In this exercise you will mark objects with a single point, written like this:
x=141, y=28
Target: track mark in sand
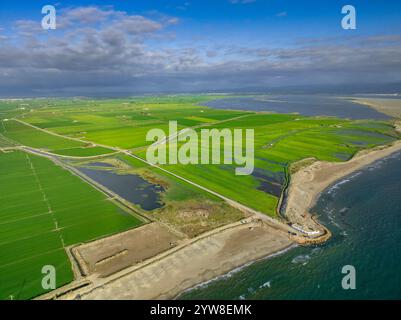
x=107, y=259
x=56, y=226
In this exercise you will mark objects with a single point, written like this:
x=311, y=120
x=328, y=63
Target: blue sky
x=194, y=45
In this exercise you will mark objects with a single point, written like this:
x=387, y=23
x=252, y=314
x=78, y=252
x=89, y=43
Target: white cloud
x=113, y=53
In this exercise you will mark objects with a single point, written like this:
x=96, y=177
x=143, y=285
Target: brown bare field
x=212, y=255
x=112, y=254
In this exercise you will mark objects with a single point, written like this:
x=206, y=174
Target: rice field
x=281, y=140
x=22, y=134
x=26, y=135
x=43, y=210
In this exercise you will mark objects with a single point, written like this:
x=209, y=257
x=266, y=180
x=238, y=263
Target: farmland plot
x=44, y=209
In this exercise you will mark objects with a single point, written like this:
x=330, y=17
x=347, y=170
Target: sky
x=150, y=46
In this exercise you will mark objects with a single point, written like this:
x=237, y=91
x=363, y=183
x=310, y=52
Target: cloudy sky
x=127, y=47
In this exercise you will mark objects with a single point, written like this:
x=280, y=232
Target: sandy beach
x=213, y=255
x=308, y=183
x=391, y=107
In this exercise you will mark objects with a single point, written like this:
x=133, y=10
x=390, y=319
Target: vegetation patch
x=43, y=210
x=196, y=217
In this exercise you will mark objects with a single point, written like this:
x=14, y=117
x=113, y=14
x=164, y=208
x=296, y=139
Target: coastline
x=172, y=273
x=238, y=269
x=391, y=107
x=308, y=183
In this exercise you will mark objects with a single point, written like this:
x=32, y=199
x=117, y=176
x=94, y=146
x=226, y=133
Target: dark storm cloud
x=101, y=51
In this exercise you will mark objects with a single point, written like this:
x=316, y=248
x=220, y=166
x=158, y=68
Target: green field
x=280, y=139
x=22, y=134
x=120, y=123
x=50, y=210
x=26, y=135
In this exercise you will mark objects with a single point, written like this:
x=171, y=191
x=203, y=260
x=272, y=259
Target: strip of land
x=205, y=258
x=391, y=107
x=308, y=183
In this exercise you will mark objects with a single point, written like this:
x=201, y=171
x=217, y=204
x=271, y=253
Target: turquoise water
x=364, y=213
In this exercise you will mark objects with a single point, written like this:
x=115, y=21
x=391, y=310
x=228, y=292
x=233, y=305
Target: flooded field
x=269, y=182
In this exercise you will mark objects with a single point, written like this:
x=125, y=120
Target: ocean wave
x=316, y=250
x=251, y=290
x=378, y=164
x=331, y=216
x=228, y=275
x=301, y=259
x=265, y=285
x=337, y=185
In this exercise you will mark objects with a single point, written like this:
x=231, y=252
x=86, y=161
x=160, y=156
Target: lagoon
x=130, y=187
x=308, y=105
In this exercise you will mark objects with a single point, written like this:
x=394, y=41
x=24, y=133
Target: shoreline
x=310, y=182
x=238, y=269
x=390, y=107
x=208, y=258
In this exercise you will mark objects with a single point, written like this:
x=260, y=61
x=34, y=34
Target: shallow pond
x=130, y=187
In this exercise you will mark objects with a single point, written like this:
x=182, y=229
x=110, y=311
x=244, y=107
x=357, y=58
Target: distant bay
x=308, y=105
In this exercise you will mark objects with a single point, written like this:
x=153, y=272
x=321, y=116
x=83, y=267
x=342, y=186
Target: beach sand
x=211, y=256
x=308, y=183
x=391, y=107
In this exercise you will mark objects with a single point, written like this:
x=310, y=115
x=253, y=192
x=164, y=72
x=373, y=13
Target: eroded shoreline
x=308, y=183
x=172, y=273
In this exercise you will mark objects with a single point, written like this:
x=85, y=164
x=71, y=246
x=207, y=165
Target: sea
x=363, y=211
x=308, y=105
